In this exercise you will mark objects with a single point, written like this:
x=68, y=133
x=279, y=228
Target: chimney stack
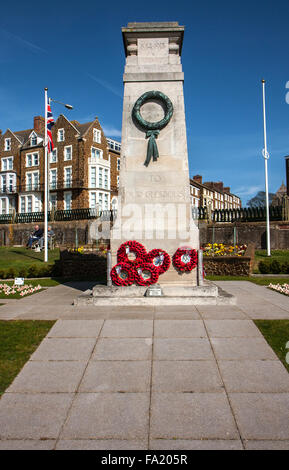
x=287, y=173
x=227, y=189
x=39, y=124
x=198, y=179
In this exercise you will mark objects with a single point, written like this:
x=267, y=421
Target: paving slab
x=117, y=376
x=75, y=329
x=266, y=445
x=186, y=376
x=127, y=329
x=101, y=444
x=181, y=349
x=221, y=312
x=179, y=329
x=64, y=349
x=242, y=348
x=262, y=415
x=124, y=349
x=53, y=377
x=192, y=416
x=232, y=328
x=27, y=444
x=108, y=416
x=188, y=444
x=254, y=376
x=33, y=416
x=176, y=315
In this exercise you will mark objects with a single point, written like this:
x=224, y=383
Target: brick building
x=213, y=194
x=83, y=167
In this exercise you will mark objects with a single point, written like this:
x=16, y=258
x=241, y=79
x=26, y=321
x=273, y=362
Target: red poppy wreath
x=185, y=259
x=146, y=274
x=131, y=247
x=160, y=259
x=122, y=274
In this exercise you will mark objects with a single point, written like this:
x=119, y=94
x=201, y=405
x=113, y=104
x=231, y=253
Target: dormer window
x=7, y=144
x=97, y=136
x=95, y=153
x=60, y=135
x=33, y=140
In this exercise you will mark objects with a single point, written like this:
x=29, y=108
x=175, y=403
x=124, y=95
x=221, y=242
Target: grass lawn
x=261, y=281
x=278, y=255
x=276, y=333
x=19, y=257
x=18, y=340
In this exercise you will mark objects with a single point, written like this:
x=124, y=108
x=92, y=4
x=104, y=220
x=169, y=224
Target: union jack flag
x=50, y=124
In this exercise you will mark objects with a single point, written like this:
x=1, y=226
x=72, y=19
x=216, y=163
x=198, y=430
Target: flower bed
x=282, y=288
x=219, y=249
x=222, y=260
x=7, y=290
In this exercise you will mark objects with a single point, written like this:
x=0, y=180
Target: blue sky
x=75, y=48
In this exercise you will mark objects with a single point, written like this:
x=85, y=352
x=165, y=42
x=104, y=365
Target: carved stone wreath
x=152, y=129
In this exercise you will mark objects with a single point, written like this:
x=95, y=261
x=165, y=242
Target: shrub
x=44, y=270
x=23, y=272
x=33, y=270
x=2, y=273
x=11, y=273
x=285, y=267
x=275, y=267
x=264, y=267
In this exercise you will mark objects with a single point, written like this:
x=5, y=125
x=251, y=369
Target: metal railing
x=201, y=213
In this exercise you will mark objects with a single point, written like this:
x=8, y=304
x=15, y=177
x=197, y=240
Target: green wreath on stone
x=152, y=129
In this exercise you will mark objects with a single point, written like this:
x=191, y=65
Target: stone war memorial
x=154, y=239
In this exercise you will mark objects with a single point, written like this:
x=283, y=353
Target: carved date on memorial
x=152, y=129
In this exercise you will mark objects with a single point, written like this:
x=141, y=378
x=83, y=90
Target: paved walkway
x=149, y=378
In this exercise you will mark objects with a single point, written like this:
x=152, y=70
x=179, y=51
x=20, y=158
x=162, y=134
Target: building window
x=53, y=156
x=8, y=183
x=67, y=200
x=95, y=153
x=106, y=204
x=53, y=200
x=7, y=144
x=68, y=152
x=93, y=176
x=60, y=135
x=92, y=200
x=32, y=181
x=100, y=177
x=97, y=136
x=118, y=164
x=3, y=205
x=30, y=203
x=7, y=164
x=32, y=159
x=53, y=178
x=106, y=178
x=100, y=200
x=33, y=140
x=117, y=181
x=68, y=177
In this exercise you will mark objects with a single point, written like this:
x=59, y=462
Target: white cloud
x=111, y=131
x=106, y=85
x=27, y=44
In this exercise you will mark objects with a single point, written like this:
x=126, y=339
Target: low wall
x=87, y=265
x=246, y=232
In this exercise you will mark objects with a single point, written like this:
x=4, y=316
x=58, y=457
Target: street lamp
x=46, y=167
x=266, y=158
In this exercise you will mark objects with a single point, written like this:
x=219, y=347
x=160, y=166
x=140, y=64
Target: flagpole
x=266, y=158
x=45, y=184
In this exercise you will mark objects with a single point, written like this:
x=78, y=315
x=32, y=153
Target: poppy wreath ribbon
x=160, y=259
x=138, y=274
x=131, y=247
x=118, y=279
x=185, y=259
